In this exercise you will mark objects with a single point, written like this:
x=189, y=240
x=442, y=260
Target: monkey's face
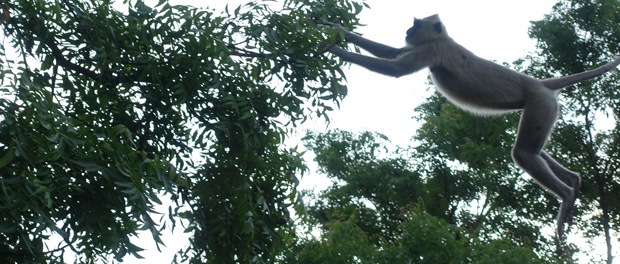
x=411, y=32
x=424, y=30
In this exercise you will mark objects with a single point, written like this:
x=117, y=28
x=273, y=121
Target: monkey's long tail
x=561, y=82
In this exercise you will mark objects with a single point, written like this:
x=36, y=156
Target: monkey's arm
x=375, y=48
x=391, y=67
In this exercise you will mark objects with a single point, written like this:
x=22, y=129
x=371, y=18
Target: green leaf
x=7, y=157
x=88, y=165
x=47, y=63
x=143, y=8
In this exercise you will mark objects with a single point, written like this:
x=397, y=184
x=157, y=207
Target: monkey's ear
x=437, y=27
x=417, y=21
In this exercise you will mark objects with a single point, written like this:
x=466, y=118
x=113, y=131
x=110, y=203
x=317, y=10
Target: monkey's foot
x=565, y=216
x=568, y=217
x=576, y=185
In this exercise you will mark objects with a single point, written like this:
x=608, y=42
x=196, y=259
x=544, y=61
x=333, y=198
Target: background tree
x=575, y=36
x=466, y=159
x=104, y=111
x=380, y=209
x=363, y=171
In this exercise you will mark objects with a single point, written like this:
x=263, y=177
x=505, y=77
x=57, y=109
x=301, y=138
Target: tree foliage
x=382, y=208
x=104, y=110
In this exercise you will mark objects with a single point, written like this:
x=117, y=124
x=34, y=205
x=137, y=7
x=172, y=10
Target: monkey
x=483, y=87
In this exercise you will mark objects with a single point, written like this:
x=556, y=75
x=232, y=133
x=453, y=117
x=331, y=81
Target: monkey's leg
x=569, y=177
x=537, y=120
x=565, y=215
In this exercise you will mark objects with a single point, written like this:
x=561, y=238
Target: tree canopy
x=105, y=110
x=109, y=107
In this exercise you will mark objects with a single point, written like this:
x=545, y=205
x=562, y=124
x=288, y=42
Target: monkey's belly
x=476, y=93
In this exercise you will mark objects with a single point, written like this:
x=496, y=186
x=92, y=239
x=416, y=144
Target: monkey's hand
x=333, y=48
x=338, y=27
x=340, y=52
x=336, y=50
x=333, y=25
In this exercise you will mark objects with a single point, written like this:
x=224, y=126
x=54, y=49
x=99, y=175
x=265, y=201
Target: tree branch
x=64, y=62
x=246, y=53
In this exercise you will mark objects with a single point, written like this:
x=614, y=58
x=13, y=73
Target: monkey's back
x=476, y=84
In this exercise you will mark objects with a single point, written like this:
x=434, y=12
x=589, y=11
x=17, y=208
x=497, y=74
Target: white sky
x=494, y=30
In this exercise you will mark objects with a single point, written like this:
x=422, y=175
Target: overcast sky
x=494, y=30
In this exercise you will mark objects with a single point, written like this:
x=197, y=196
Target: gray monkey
x=484, y=88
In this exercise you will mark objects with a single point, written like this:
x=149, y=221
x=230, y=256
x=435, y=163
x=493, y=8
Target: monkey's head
x=425, y=29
